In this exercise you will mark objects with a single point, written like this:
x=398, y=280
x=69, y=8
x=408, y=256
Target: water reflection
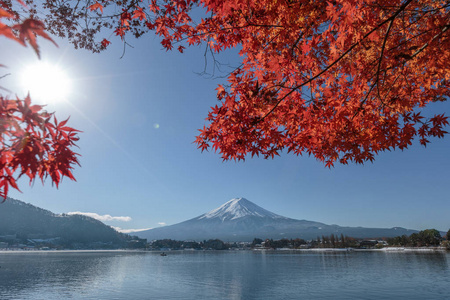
x=223, y=275
x=64, y=272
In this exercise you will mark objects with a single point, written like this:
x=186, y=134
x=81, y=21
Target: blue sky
x=139, y=116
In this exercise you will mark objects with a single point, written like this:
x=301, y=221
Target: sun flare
x=46, y=82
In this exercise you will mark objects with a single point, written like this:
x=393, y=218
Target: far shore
x=385, y=249
x=68, y=250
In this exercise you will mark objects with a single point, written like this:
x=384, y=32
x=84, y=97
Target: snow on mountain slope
x=237, y=208
x=242, y=220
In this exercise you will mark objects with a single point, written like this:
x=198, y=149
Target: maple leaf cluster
x=340, y=80
x=32, y=141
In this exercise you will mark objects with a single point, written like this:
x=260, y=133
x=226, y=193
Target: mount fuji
x=242, y=220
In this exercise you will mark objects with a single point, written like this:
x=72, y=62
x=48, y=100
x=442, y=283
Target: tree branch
x=339, y=58
x=446, y=27
x=381, y=57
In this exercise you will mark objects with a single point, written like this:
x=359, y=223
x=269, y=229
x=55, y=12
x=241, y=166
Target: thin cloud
x=162, y=224
x=129, y=230
x=102, y=218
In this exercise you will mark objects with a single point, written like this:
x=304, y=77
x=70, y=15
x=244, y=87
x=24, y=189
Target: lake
x=224, y=275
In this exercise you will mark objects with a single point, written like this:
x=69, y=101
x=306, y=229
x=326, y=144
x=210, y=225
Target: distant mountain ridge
x=242, y=220
x=26, y=221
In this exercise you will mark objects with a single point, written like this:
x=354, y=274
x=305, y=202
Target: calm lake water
x=224, y=275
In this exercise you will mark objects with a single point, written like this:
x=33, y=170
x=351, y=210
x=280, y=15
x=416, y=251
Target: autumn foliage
x=340, y=80
x=32, y=141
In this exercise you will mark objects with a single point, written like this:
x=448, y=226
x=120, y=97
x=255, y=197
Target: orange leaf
x=96, y=6
x=29, y=29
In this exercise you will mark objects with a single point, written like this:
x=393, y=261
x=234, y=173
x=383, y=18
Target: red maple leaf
x=138, y=13
x=105, y=43
x=96, y=6
x=28, y=31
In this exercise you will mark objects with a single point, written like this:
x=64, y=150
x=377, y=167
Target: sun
x=46, y=82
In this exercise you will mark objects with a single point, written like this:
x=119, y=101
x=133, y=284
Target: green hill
x=24, y=223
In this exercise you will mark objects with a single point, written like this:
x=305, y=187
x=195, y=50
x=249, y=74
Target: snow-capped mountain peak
x=238, y=208
x=242, y=220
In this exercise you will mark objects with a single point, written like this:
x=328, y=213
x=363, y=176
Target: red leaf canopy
x=340, y=80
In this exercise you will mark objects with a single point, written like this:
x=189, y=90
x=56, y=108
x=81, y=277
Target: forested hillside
x=28, y=222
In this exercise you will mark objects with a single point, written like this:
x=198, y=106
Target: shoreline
x=68, y=250
x=386, y=249
x=320, y=250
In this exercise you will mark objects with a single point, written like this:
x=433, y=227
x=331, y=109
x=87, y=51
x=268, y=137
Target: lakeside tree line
x=212, y=244
x=424, y=238
x=331, y=241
